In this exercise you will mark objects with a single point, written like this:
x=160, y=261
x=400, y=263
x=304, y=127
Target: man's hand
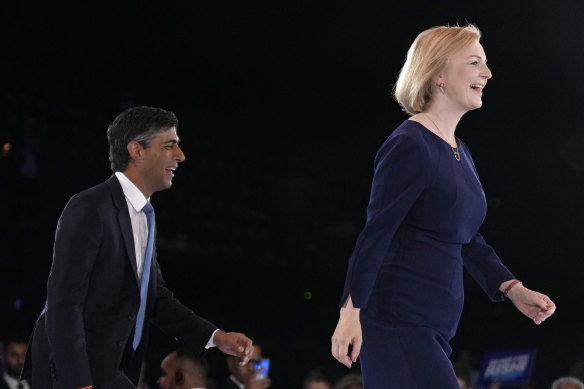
x=234, y=343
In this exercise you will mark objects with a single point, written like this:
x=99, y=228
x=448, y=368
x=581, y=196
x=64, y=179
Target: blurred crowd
x=180, y=369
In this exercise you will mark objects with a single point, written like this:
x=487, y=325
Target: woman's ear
x=438, y=78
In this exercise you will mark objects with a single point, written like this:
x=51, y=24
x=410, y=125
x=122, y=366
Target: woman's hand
x=348, y=332
x=532, y=304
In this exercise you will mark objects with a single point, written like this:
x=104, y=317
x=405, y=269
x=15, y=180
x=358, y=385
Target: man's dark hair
x=199, y=364
x=319, y=374
x=140, y=124
x=14, y=338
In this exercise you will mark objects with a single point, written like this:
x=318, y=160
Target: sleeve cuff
x=211, y=342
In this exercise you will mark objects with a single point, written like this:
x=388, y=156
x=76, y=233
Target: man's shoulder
x=100, y=198
x=100, y=191
x=3, y=383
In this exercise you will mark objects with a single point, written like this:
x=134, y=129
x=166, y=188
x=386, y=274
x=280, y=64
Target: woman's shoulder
x=411, y=129
x=411, y=135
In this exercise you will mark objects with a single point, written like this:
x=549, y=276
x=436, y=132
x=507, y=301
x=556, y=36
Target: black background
x=282, y=106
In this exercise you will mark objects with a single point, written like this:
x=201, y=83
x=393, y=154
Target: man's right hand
x=234, y=343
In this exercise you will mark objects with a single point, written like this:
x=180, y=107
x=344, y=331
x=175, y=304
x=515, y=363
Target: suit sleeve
x=400, y=176
x=77, y=242
x=178, y=321
x=483, y=264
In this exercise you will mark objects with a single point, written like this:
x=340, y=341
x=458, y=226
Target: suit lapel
x=120, y=203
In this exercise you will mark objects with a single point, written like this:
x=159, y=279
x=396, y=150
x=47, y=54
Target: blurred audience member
x=350, y=381
x=168, y=367
x=567, y=383
x=463, y=375
x=13, y=360
x=577, y=368
x=181, y=369
x=318, y=379
x=191, y=372
x=245, y=377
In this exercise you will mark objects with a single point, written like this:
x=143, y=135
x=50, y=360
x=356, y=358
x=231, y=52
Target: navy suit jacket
x=84, y=334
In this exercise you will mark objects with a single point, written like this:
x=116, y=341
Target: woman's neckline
x=437, y=136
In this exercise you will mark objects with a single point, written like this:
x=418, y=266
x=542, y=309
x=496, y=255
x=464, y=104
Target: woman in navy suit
x=403, y=293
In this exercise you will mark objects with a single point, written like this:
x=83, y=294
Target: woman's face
x=465, y=76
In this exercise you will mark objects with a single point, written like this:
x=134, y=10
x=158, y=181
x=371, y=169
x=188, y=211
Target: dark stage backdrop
x=282, y=106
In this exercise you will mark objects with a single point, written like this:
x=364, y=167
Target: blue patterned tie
x=149, y=211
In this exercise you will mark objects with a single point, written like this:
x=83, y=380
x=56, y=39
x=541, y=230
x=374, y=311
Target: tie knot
x=148, y=209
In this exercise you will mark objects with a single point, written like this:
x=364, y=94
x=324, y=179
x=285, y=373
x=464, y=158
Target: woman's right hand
x=348, y=332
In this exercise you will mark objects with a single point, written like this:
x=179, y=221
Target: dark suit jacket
x=229, y=384
x=3, y=383
x=84, y=334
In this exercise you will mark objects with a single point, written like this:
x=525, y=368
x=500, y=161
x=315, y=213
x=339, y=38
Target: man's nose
x=179, y=155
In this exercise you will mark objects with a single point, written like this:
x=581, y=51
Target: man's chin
x=164, y=185
x=14, y=374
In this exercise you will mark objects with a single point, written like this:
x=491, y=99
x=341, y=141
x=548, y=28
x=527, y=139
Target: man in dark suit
x=181, y=369
x=105, y=286
x=245, y=377
x=14, y=350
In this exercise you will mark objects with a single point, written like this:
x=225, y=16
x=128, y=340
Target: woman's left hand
x=532, y=304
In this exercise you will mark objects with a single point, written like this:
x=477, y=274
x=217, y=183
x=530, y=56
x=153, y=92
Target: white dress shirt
x=13, y=383
x=236, y=382
x=136, y=201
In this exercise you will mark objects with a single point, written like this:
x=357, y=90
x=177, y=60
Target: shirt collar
x=236, y=382
x=131, y=191
x=12, y=383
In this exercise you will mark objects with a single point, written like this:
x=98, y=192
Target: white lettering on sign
x=507, y=367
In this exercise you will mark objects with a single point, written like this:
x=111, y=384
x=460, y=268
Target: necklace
x=454, y=149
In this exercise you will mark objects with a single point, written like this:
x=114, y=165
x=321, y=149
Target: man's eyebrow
x=173, y=141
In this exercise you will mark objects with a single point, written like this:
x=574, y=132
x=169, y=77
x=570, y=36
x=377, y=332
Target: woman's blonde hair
x=428, y=56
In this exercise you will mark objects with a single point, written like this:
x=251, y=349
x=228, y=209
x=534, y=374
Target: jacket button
x=120, y=343
x=131, y=317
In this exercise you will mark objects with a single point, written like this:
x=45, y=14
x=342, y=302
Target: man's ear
x=135, y=150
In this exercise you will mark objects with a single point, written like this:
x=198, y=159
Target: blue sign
x=510, y=367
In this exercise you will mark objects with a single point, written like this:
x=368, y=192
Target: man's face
x=167, y=369
x=570, y=385
x=159, y=160
x=317, y=385
x=242, y=372
x=14, y=358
